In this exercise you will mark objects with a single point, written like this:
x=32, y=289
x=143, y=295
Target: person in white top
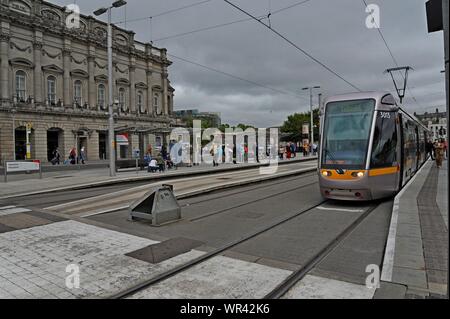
x=153, y=166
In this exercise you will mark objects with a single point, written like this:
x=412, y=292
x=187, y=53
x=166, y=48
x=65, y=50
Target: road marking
x=341, y=209
x=9, y=210
x=6, y=207
x=388, y=263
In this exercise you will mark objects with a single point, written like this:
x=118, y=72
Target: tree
x=293, y=126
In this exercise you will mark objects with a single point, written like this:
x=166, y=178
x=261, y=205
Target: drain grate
x=58, y=177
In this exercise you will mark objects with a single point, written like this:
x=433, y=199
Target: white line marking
x=341, y=209
x=388, y=263
x=6, y=207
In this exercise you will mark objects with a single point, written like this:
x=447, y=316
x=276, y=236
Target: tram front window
x=346, y=134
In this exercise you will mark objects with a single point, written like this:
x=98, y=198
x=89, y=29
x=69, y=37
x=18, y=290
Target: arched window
x=101, y=97
x=140, y=104
x=51, y=90
x=122, y=99
x=78, y=92
x=21, y=91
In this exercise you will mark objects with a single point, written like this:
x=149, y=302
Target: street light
x=312, y=112
x=13, y=113
x=111, y=133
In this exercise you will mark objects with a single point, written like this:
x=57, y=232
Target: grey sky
x=333, y=31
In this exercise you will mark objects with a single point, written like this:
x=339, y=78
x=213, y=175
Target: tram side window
x=384, y=151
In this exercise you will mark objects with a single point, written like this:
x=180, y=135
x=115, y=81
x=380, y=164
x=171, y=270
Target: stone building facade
x=436, y=123
x=55, y=78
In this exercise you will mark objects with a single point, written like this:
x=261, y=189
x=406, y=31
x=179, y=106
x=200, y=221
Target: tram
x=370, y=147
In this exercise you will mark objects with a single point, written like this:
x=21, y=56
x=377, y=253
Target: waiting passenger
x=153, y=166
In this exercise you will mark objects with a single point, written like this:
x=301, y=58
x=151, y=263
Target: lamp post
x=13, y=113
x=312, y=113
x=111, y=133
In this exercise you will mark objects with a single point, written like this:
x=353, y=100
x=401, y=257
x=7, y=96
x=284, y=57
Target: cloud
x=332, y=31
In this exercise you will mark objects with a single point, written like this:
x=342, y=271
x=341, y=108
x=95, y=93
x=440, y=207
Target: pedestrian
x=288, y=151
x=446, y=148
x=314, y=146
x=214, y=152
x=161, y=163
x=429, y=149
x=83, y=155
x=73, y=156
x=439, y=153
x=293, y=150
x=305, y=149
x=56, y=157
x=164, y=152
x=152, y=166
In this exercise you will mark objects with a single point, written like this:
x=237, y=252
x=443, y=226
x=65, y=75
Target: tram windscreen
x=346, y=133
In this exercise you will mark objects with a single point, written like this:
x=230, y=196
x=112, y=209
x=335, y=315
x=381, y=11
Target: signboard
x=305, y=129
x=434, y=15
x=14, y=167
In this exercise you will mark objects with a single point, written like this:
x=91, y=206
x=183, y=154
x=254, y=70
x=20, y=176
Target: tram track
x=174, y=271
x=286, y=284
x=284, y=181
x=279, y=291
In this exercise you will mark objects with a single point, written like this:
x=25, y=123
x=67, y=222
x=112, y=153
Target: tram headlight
x=358, y=174
x=326, y=173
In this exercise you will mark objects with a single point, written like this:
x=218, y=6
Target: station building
x=54, y=78
x=436, y=123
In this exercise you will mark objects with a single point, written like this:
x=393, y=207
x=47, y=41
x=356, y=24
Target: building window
x=21, y=78
x=122, y=99
x=51, y=90
x=78, y=92
x=155, y=100
x=140, y=99
x=101, y=96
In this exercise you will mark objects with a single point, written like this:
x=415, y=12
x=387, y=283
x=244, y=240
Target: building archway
x=21, y=143
x=54, y=141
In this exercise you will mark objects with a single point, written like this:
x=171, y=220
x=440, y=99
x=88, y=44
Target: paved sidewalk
x=416, y=259
x=86, y=178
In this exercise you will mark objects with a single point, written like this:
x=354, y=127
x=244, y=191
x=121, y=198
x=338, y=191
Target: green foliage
x=294, y=124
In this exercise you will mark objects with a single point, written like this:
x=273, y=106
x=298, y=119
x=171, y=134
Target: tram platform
x=416, y=256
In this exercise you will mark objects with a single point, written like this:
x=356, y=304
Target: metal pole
x=445, y=8
x=112, y=142
x=14, y=134
x=312, y=120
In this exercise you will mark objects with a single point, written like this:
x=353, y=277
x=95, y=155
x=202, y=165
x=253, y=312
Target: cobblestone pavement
x=33, y=261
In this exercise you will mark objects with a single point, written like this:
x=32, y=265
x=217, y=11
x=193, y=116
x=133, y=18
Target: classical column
x=164, y=76
x=40, y=144
x=132, y=96
x=66, y=78
x=93, y=147
x=38, y=89
x=92, y=94
x=4, y=66
x=150, y=109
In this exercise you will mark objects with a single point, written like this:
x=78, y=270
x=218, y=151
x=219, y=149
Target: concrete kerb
x=129, y=179
x=389, y=256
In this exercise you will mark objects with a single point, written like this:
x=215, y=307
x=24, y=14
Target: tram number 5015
x=385, y=115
